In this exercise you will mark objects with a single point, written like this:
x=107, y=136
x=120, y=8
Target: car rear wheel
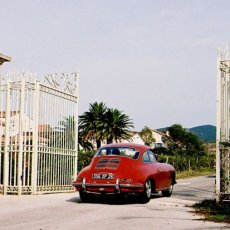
x=85, y=197
x=168, y=192
x=146, y=195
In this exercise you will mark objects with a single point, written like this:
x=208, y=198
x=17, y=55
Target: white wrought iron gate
x=38, y=133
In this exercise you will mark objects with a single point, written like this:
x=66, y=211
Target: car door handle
x=158, y=170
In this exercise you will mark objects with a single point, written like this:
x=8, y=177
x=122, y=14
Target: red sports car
x=125, y=169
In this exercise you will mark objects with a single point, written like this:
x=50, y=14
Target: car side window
x=149, y=157
x=152, y=157
x=146, y=157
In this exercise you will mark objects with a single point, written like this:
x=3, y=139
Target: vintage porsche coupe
x=125, y=169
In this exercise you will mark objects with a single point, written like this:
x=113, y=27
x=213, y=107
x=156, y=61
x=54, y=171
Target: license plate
x=108, y=176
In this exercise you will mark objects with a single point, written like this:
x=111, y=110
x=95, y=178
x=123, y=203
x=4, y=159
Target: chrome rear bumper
x=102, y=186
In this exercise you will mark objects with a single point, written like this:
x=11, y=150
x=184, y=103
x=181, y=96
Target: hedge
x=180, y=163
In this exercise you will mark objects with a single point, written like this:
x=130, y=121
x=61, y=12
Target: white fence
x=38, y=134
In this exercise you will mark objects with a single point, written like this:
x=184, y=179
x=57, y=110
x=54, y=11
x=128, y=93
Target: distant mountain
x=206, y=132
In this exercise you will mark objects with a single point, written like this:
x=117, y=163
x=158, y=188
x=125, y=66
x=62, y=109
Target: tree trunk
x=98, y=143
x=109, y=141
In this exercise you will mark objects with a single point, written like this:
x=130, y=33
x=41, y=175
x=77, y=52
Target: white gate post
x=35, y=138
x=7, y=139
x=223, y=127
x=218, y=125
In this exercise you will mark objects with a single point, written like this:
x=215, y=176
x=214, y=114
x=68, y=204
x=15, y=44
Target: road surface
x=66, y=211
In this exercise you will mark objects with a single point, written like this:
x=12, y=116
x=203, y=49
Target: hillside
x=206, y=132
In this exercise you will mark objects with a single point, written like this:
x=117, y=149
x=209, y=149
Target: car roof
x=132, y=145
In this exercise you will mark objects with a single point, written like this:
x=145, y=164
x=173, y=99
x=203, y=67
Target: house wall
x=135, y=139
x=158, y=139
x=14, y=125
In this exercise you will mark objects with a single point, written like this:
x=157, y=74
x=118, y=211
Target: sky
x=155, y=60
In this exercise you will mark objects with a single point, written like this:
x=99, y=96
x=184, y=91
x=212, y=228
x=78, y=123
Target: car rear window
x=119, y=151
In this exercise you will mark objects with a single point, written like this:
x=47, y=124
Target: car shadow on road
x=212, y=176
x=113, y=199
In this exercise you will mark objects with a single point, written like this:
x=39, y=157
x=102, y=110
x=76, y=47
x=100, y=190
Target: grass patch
x=190, y=173
x=213, y=211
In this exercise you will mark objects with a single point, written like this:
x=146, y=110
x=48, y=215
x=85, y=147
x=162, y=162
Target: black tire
x=85, y=197
x=168, y=192
x=146, y=195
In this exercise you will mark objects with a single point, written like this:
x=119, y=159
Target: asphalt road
x=66, y=211
x=195, y=188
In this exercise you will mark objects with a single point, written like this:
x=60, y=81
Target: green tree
x=117, y=125
x=63, y=136
x=147, y=136
x=102, y=123
x=68, y=132
x=85, y=144
x=180, y=141
x=91, y=123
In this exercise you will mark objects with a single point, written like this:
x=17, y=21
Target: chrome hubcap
x=171, y=189
x=148, y=188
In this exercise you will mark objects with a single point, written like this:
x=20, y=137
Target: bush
x=161, y=150
x=84, y=158
x=182, y=163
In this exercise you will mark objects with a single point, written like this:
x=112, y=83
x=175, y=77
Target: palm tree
x=91, y=123
x=102, y=123
x=85, y=144
x=117, y=126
